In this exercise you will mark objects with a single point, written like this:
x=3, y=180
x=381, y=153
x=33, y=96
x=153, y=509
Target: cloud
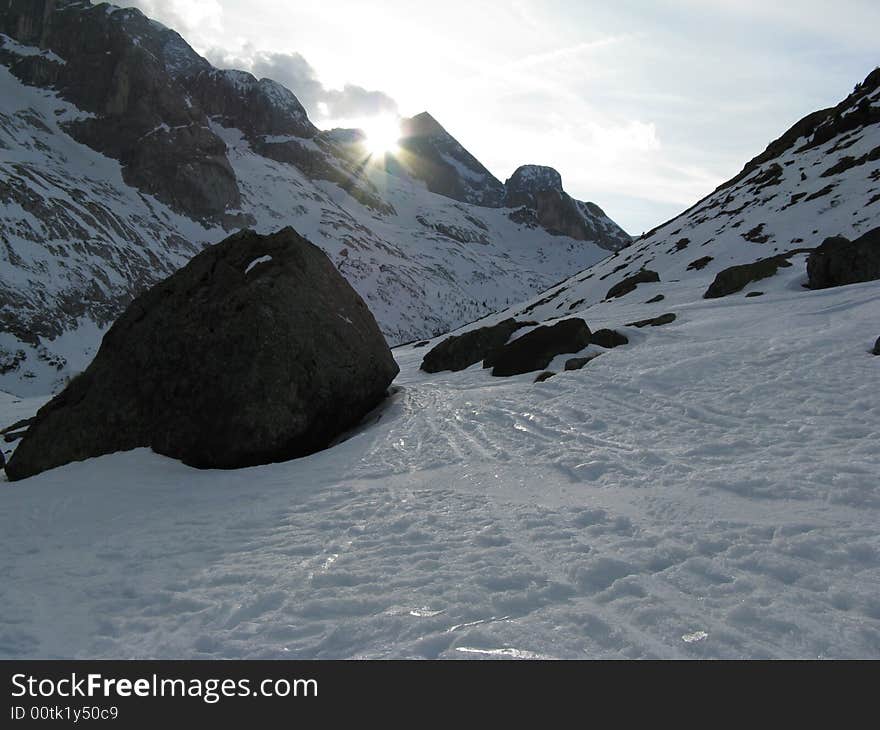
x=297, y=74
x=199, y=20
x=185, y=16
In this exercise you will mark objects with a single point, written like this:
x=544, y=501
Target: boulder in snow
x=629, y=284
x=459, y=352
x=534, y=350
x=876, y=349
x=839, y=261
x=736, y=278
x=608, y=339
x=224, y=365
x=654, y=321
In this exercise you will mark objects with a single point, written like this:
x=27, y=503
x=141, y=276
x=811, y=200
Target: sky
x=643, y=106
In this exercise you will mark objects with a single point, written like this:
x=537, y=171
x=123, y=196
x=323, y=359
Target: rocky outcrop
x=258, y=107
x=736, y=278
x=839, y=261
x=876, y=350
x=125, y=70
x=256, y=351
x=538, y=188
x=654, y=321
x=629, y=284
x=534, y=350
x=459, y=352
x=608, y=339
x=430, y=154
x=522, y=188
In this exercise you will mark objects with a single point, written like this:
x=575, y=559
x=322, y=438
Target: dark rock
x=757, y=235
x=629, y=284
x=700, y=264
x=578, y=363
x=655, y=300
x=128, y=71
x=736, y=278
x=654, y=322
x=22, y=425
x=459, y=352
x=545, y=376
x=876, y=349
x=753, y=294
x=431, y=154
x=529, y=180
x=608, y=339
x=534, y=350
x=421, y=344
x=839, y=261
x=256, y=351
x=539, y=189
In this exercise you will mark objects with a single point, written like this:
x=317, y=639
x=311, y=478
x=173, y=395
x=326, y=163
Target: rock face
x=256, y=351
x=124, y=70
x=527, y=182
x=430, y=154
x=537, y=191
x=459, y=352
x=839, y=261
x=534, y=350
x=630, y=283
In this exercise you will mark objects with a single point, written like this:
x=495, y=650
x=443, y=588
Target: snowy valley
x=707, y=490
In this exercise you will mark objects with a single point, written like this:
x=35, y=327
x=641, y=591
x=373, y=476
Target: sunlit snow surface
x=710, y=490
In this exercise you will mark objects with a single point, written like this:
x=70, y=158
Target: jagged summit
x=529, y=180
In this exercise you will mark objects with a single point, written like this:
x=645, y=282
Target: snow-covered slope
x=822, y=178
x=109, y=181
x=709, y=490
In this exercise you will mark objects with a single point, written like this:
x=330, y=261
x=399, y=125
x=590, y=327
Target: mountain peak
x=422, y=125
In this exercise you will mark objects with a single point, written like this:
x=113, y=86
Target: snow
x=13, y=46
x=256, y=262
x=708, y=491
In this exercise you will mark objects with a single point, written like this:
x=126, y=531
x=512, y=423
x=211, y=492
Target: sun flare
x=382, y=135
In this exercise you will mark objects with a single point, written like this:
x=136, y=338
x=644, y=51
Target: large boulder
x=534, y=350
x=839, y=261
x=459, y=352
x=257, y=351
x=876, y=349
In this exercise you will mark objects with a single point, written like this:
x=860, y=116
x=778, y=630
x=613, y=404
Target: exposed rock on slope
x=839, y=261
x=256, y=351
x=535, y=349
x=736, y=278
x=629, y=284
x=459, y=352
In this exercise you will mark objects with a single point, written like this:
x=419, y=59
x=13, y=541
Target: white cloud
x=187, y=17
x=294, y=71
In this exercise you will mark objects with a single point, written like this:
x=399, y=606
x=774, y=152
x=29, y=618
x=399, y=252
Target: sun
x=382, y=135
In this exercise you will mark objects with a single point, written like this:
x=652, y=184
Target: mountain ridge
x=124, y=153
